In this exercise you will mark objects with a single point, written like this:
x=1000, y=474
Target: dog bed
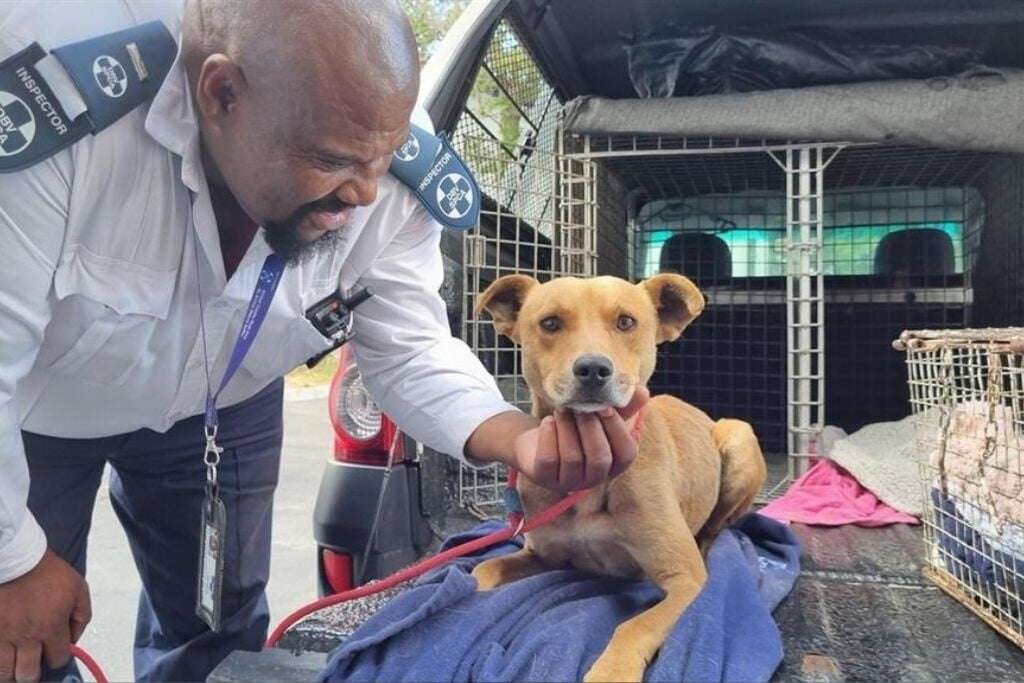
x=885, y=459
x=992, y=481
x=553, y=626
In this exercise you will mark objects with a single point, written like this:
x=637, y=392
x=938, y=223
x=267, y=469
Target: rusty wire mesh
x=967, y=396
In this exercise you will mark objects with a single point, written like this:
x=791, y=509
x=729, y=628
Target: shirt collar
x=172, y=122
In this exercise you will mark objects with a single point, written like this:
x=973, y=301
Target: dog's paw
x=487, y=575
x=614, y=667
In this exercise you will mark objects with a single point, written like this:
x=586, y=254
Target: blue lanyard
x=259, y=304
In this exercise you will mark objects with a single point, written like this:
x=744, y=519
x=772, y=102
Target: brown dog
x=588, y=344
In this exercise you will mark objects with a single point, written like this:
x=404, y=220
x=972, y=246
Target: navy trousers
x=157, y=488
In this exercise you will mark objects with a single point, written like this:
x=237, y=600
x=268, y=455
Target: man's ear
x=218, y=88
x=503, y=299
x=678, y=302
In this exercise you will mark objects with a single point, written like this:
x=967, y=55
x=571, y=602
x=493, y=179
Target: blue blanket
x=971, y=558
x=553, y=626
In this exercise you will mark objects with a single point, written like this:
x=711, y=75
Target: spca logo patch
x=410, y=150
x=454, y=195
x=17, y=124
x=110, y=76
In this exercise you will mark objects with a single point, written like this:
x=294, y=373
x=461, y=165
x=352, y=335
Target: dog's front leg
x=506, y=569
x=668, y=554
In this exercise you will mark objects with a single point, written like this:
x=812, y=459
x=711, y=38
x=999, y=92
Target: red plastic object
x=337, y=570
x=347, y=448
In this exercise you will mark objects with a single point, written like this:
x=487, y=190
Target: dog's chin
x=593, y=404
x=586, y=407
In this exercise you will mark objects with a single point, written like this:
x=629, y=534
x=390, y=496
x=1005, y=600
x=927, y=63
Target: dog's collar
x=638, y=426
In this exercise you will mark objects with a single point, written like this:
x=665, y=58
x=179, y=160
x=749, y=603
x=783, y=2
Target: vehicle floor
x=861, y=611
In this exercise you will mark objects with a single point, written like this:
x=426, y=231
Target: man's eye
x=625, y=322
x=551, y=324
x=330, y=166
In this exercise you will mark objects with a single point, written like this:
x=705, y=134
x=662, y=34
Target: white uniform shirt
x=99, y=314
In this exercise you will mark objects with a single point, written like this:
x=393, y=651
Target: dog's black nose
x=592, y=371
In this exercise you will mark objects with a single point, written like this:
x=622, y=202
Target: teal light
x=848, y=250
x=655, y=240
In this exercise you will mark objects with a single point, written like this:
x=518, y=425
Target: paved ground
x=112, y=576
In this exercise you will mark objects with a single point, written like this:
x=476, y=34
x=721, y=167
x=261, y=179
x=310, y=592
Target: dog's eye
x=551, y=324
x=625, y=322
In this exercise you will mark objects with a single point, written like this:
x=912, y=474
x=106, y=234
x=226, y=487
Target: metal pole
x=805, y=305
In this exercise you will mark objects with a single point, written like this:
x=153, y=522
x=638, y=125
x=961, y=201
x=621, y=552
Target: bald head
x=350, y=54
x=378, y=32
x=315, y=95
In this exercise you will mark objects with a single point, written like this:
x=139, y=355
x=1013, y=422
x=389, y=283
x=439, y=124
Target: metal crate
x=539, y=214
x=807, y=303
x=967, y=397
x=800, y=339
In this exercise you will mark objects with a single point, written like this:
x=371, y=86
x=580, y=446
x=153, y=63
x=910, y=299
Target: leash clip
x=211, y=458
x=519, y=527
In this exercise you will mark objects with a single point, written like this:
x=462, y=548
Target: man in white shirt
x=273, y=131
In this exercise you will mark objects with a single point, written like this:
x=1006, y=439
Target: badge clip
x=332, y=317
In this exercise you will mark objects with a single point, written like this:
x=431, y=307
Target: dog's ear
x=678, y=302
x=503, y=299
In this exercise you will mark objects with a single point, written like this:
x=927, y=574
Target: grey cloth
x=977, y=111
x=886, y=459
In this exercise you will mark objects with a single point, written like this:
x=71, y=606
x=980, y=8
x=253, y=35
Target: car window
x=748, y=232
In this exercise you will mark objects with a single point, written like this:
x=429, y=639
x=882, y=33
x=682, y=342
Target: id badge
x=211, y=562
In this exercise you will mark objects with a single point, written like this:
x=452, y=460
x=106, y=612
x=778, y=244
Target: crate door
x=538, y=212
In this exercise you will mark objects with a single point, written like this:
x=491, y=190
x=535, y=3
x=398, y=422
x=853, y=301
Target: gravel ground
x=325, y=630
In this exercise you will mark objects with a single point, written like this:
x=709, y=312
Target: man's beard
x=284, y=239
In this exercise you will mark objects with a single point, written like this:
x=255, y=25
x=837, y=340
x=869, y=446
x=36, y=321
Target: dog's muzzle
x=593, y=386
x=592, y=372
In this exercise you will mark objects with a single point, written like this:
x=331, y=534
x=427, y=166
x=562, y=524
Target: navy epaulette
x=429, y=167
x=51, y=101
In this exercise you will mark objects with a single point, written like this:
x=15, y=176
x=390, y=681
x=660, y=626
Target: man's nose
x=592, y=370
x=360, y=189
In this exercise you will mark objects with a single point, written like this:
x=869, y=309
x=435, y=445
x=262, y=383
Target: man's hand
x=572, y=451
x=567, y=452
x=42, y=612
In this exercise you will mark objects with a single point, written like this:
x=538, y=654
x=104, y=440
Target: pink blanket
x=828, y=496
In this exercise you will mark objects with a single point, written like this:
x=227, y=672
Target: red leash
x=517, y=525
x=89, y=663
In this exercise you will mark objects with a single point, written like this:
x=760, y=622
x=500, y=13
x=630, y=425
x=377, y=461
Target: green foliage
x=847, y=250
x=495, y=110
x=430, y=20
x=495, y=161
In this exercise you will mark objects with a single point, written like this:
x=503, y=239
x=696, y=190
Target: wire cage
x=812, y=256
x=967, y=398
x=538, y=216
